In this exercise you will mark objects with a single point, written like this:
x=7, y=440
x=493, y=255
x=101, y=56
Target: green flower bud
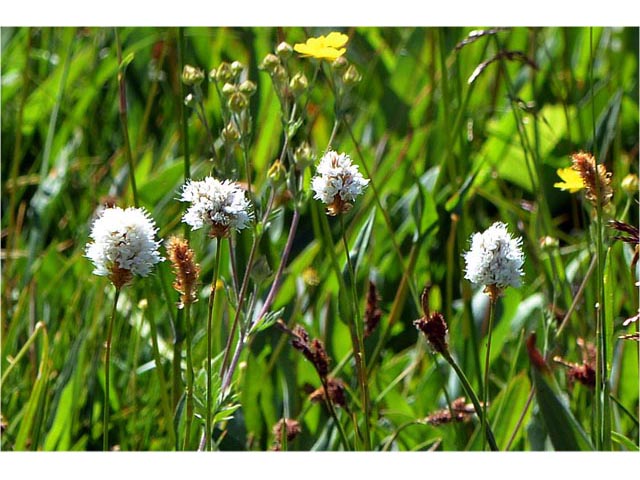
x=340, y=64
x=303, y=155
x=238, y=102
x=351, y=76
x=248, y=87
x=237, y=67
x=190, y=100
x=192, y=75
x=269, y=62
x=224, y=73
x=229, y=89
x=284, y=50
x=230, y=133
x=630, y=184
x=276, y=172
x=299, y=83
x=548, y=242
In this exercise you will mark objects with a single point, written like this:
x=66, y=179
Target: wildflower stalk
x=184, y=134
x=357, y=340
x=122, y=108
x=474, y=399
x=107, y=361
x=164, y=397
x=485, y=390
x=189, y=375
x=212, y=295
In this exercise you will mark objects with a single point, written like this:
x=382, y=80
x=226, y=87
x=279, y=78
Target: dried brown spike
x=597, y=181
x=372, y=313
x=461, y=410
x=290, y=426
x=335, y=388
x=436, y=330
x=186, y=270
x=313, y=351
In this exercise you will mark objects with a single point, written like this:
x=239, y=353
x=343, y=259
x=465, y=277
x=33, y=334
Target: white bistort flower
x=123, y=244
x=221, y=205
x=495, y=259
x=337, y=182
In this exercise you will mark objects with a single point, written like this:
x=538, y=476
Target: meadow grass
x=454, y=128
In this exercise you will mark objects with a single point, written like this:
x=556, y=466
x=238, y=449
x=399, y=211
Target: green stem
x=184, y=126
x=107, y=360
x=357, y=340
x=124, y=123
x=474, y=399
x=212, y=296
x=189, y=387
x=164, y=397
x=25, y=348
x=485, y=390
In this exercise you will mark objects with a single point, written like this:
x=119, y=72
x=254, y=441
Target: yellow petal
x=572, y=180
x=336, y=40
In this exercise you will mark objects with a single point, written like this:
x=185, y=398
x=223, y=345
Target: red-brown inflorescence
x=185, y=269
x=433, y=325
x=372, y=313
x=597, y=180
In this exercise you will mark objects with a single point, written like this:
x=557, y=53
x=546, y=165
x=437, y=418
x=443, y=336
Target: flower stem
x=107, y=360
x=485, y=390
x=189, y=375
x=164, y=397
x=474, y=399
x=122, y=94
x=212, y=296
x=357, y=340
x=333, y=412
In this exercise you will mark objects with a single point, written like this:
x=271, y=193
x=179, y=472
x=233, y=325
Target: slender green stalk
x=25, y=348
x=485, y=390
x=474, y=399
x=357, y=340
x=124, y=123
x=107, y=361
x=164, y=397
x=212, y=296
x=189, y=375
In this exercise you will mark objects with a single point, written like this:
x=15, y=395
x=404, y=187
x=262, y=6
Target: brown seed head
x=313, y=351
x=372, y=313
x=290, y=426
x=184, y=268
x=335, y=387
x=597, y=181
x=433, y=325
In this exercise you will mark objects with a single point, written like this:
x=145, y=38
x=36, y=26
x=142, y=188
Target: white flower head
x=337, y=182
x=221, y=205
x=123, y=244
x=495, y=259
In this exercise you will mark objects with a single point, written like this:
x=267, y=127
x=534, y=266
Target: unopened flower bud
x=630, y=184
x=340, y=64
x=230, y=133
x=279, y=73
x=229, y=89
x=248, y=87
x=284, y=50
x=299, y=83
x=237, y=67
x=276, y=172
x=189, y=100
x=238, y=102
x=269, y=63
x=223, y=74
x=351, y=76
x=192, y=75
x=548, y=242
x=303, y=155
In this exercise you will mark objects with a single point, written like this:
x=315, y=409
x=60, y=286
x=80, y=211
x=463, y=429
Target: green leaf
x=564, y=430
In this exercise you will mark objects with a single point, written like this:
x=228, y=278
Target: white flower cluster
x=215, y=203
x=337, y=177
x=123, y=239
x=495, y=258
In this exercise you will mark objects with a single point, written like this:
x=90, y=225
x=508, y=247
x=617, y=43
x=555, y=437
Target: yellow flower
x=329, y=47
x=572, y=180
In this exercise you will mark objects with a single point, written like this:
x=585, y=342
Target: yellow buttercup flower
x=572, y=180
x=329, y=47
